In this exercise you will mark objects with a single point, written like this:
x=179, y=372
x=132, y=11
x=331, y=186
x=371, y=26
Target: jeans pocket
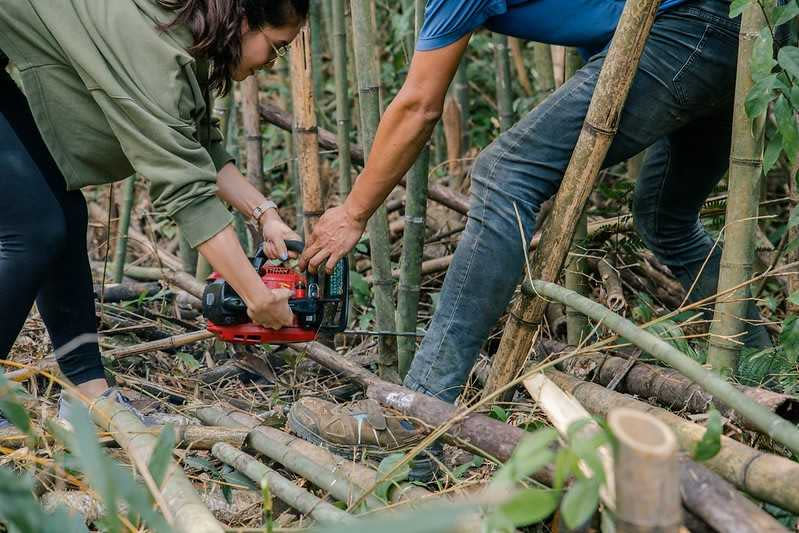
x=684, y=86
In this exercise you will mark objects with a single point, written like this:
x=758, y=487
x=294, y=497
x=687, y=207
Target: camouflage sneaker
x=360, y=429
x=65, y=407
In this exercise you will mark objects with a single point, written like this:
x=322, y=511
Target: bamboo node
x=747, y=162
x=311, y=129
x=600, y=130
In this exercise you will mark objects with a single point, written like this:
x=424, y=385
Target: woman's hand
x=336, y=233
x=275, y=233
x=271, y=310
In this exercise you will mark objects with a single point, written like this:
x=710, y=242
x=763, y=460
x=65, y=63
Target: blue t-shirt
x=585, y=24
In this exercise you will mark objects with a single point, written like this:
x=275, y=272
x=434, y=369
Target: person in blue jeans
x=679, y=109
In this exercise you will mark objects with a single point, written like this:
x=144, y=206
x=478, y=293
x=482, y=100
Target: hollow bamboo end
x=642, y=433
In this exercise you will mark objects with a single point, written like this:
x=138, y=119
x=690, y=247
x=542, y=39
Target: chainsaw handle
x=260, y=258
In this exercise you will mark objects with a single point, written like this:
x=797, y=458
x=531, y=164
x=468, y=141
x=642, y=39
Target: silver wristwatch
x=258, y=212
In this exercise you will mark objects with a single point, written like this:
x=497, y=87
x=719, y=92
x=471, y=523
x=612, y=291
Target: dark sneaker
x=65, y=405
x=362, y=429
x=3, y=422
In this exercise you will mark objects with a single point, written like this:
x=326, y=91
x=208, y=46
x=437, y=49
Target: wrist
x=356, y=211
x=262, y=212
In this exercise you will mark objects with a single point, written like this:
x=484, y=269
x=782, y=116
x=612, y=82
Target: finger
x=280, y=249
x=310, y=250
x=269, y=250
x=317, y=260
x=282, y=294
x=331, y=263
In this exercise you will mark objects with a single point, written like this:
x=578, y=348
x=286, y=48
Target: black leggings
x=43, y=254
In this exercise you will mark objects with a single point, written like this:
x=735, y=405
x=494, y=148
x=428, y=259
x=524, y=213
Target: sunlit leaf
x=737, y=7
x=787, y=125
x=763, y=55
x=580, y=502
x=162, y=454
x=710, y=444
x=788, y=58
x=529, y=506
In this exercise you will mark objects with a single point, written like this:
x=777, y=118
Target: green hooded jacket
x=113, y=95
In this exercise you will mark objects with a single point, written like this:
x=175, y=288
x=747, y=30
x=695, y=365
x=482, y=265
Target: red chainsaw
x=319, y=302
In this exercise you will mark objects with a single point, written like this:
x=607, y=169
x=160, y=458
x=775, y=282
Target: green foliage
x=159, y=461
x=580, y=502
x=498, y=413
x=11, y=407
x=386, y=465
x=21, y=513
x=710, y=443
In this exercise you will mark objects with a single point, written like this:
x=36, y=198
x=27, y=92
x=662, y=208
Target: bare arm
x=240, y=193
x=403, y=131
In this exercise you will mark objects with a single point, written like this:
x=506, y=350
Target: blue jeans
x=679, y=107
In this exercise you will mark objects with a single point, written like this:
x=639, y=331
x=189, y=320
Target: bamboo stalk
x=544, y=70
x=180, y=279
x=122, y=229
x=504, y=89
x=768, y=477
x=367, y=70
x=670, y=388
x=252, y=129
x=767, y=422
x=189, y=513
x=305, y=129
x=288, y=492
x=315, y=34
x=343, y=119
x=451, y=123
x=461, y=89
x=517, y=55
x=612, y=284
x=327, y=140
x=592, y=145
x=647, y=474
x=746, y=170
x=410, y=280
x=338, y=486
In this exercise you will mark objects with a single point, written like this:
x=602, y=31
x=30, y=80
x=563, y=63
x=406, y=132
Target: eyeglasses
x=279, y=51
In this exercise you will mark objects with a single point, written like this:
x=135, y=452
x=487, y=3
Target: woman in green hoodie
x=112, y=89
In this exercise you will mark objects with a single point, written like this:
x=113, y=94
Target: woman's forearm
x=226, y=256
x=237, y=191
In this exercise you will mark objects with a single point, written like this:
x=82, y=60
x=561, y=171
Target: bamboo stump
x=647, y=474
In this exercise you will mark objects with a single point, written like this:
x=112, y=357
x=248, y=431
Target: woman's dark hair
x=216, y=27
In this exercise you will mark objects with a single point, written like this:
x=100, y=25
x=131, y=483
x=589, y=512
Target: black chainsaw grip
x=295, y=246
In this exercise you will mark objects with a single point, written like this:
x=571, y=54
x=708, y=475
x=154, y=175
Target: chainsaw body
x=318, y=301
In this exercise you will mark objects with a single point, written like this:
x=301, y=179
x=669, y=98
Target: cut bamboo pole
x=452, y=199
x=367, y=70
x=343, y=119
x=746, y=171
x=122, y=229
x=647, y=474
x=338, y=486
x=305, y=129
x=410, y=280
x=589, y=153
x=189, y=513
x=562, y=410
x=288, y=492
x=612, y=284
x=768, y=477
x=504, y=88
x=666, y=385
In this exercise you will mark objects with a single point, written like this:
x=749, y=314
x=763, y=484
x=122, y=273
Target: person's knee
x=38, y=241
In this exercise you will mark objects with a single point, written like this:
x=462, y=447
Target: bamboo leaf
x=737, y=7
x=499, y=413
x=785, y=13
x=159, y=461
x=21, y=513
x=530, y=506
x=787, y=126
x=580, y=502
x=760, y=95
x=12, y=409
x=763, y=55
x=772, y=153
x=565, y=464
x=788, y=58
x=386, y=465
x=530, y=455
x=710, y=444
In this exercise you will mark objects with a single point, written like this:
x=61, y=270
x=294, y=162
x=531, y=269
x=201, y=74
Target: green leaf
x=788, y=58
x=565, y=465
x=386, y=465
x=794, y=96
x=760, y=95
x=772, y=153
x=21, y=513
x=530, y=455
x=580, y=502
x=787, y=126
x=499, y=413
x=530, y=506
x=737, y=7
x=462, y=469
x=12, y=409
x=763, y=55
x=789, y=338
x=162, y=454
x=785, y=13
x=234, y=477
x=710, y=444
x=188, y=361
x=793, y=220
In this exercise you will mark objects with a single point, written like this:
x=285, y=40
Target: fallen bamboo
x=666, y=385
x=601, y=122
x=647, y=474
x=767, y=422
x=288, y=492
x=178, y=278
x=327, y=140
x=434, y=412
x=612, y=284
x=184, y=504
x=767, y=477
x=338, y=486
